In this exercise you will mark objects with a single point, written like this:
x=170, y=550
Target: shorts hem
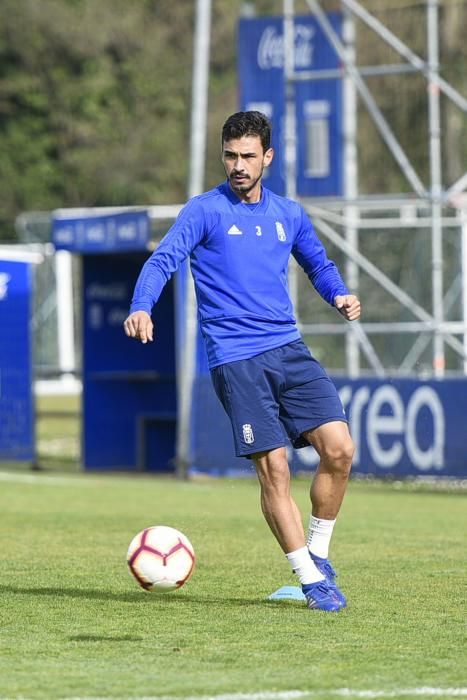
x=299, y=439
x=262, y=449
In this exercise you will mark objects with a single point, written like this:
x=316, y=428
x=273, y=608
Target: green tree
x=93, y=103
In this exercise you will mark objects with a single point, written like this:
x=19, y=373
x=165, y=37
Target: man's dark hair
x=248, y=124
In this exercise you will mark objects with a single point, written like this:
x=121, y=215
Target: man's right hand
x=139, y=326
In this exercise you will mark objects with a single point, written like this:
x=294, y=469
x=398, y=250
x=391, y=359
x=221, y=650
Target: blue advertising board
x=318, y=102
x=129, y=389
x=405, y=427
x=401, y=428
x=103, y=233
x=16, y=392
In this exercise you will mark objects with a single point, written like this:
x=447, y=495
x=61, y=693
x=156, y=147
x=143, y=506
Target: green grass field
x=75, y=625
x=58, y=430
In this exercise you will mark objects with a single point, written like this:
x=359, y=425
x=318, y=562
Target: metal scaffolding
x=341, y=221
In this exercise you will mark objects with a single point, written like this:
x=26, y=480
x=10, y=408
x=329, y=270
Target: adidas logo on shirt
x=234, y=231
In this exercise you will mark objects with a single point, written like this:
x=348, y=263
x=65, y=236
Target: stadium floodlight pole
x=186, y=366
x=404, y=51
x=290, y=125
x=199, y=103
x=379, y=120
x=352, y=352
x=436, y=186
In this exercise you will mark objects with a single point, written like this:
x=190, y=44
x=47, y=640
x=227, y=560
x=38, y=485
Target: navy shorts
x=279, y=394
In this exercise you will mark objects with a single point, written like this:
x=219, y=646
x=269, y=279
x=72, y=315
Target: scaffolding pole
x=430, y=196
x=404, y=51
x=352, y=352
x=290, y=127
x=379, y=120
x=464, y=282
x=187, y=361
x=435, y=186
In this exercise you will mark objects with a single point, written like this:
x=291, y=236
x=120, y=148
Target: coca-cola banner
x=318, y=101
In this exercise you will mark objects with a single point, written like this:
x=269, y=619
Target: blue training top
x=239, y=256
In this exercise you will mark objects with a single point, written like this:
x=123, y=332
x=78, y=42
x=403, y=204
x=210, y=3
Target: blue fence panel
x=129, y=389
x=129, y=397
x=401, y=428
x=16, y=379
x=406, y=427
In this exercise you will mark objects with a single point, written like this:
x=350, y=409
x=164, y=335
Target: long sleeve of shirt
x=175, y=247
x=310, y=253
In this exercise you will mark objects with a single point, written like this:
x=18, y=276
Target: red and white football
x=161, y=558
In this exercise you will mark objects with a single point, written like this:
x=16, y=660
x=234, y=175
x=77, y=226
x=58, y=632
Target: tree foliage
x=95, y=98
x=93, y=102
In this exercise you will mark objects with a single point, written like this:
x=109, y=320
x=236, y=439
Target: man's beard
x=247, y=186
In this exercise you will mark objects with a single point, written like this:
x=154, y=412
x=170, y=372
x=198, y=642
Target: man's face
x=244, y=162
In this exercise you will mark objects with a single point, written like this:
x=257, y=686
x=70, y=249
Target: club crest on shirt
x=280, y=231
x=248, y=436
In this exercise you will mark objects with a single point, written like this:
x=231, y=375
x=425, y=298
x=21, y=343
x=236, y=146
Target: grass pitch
x=74, y=624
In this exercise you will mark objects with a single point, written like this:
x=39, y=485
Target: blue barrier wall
x=129, y=395
x=401, y=428
x=129, y=389
x=16, y=380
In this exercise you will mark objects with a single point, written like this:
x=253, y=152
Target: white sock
x=303, y=566
x=319, y=536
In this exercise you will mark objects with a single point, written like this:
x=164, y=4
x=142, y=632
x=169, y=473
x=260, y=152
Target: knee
x=338, y=456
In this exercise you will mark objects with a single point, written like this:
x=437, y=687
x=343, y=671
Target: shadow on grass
x=104, y=638
x=133, y=597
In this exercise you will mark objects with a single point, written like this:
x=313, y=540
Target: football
x=161, y=558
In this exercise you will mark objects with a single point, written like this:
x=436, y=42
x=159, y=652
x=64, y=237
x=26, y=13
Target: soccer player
x=239, y=237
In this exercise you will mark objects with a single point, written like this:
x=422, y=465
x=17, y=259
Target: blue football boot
x=326, y=568
x=320, y=596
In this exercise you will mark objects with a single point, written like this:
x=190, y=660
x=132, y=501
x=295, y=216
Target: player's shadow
x=130, y=597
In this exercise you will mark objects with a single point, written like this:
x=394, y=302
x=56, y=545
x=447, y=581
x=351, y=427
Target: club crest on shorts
x=280, y=231
x=248, y=433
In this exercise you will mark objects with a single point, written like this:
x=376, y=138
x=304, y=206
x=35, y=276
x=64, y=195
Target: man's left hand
x=348, y=306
